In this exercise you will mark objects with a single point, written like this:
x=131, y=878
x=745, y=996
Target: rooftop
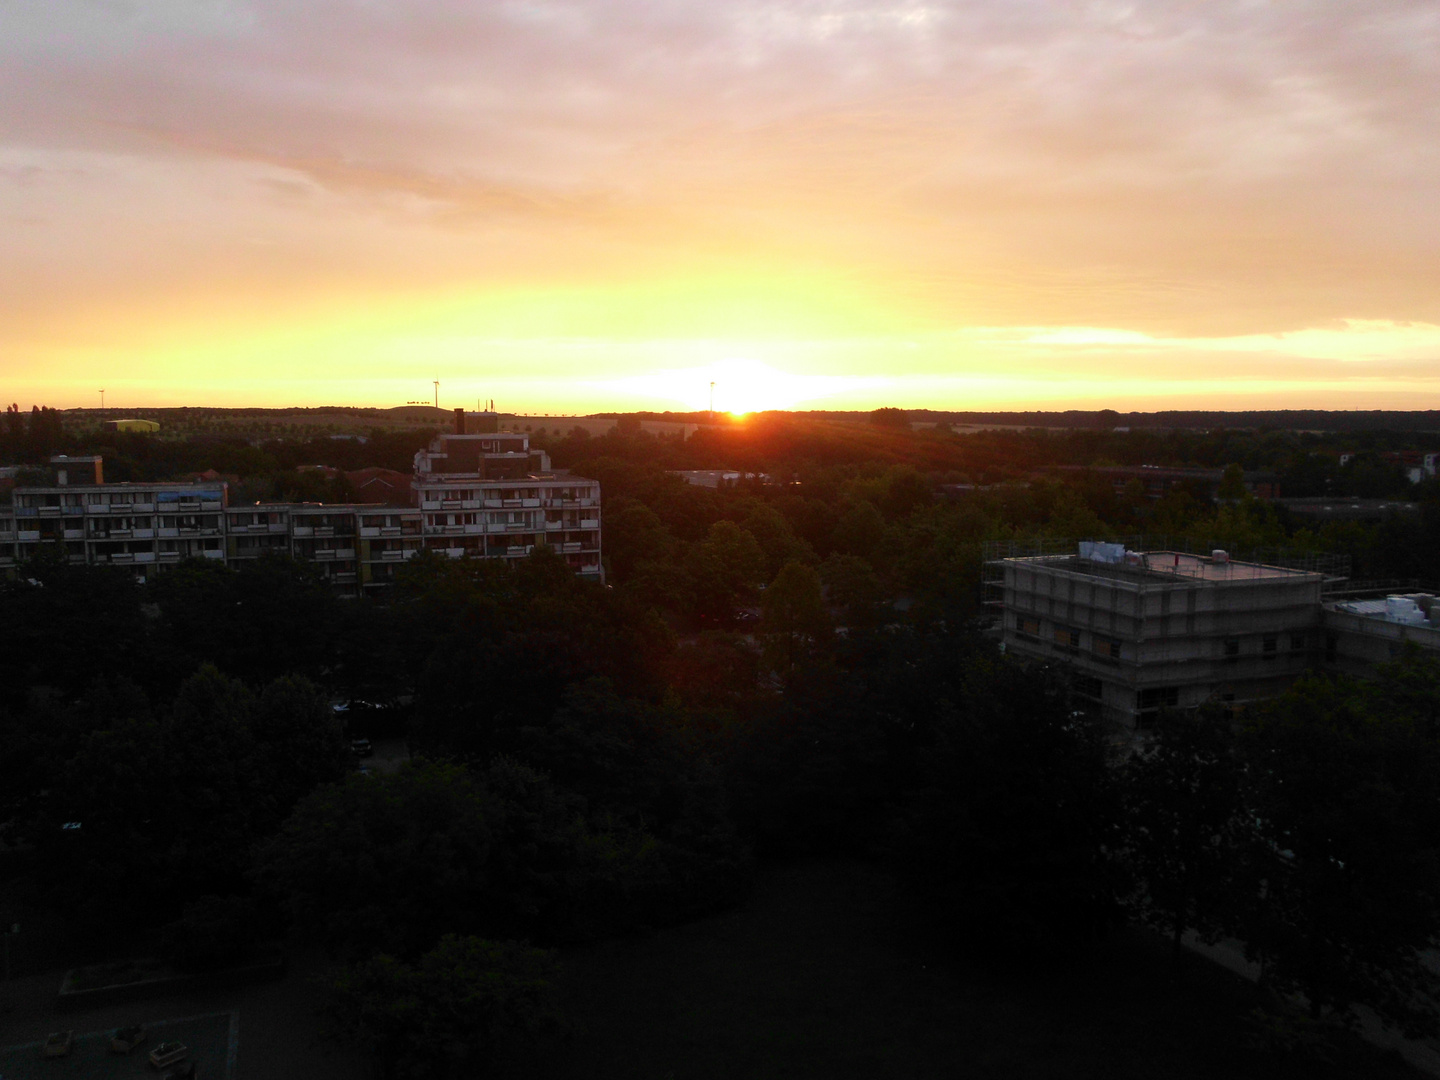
x=1169, y=567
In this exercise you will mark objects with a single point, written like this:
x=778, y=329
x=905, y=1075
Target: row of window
x=477, y=494
x=1067, y=637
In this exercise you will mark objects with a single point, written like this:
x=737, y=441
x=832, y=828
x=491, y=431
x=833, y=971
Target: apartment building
x=1144, y=631
x=489, y=494
x=137, y=525
x=486, y=495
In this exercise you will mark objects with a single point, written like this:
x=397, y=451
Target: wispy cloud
x=1175, y=171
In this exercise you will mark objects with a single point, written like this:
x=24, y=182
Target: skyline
x=579, y=208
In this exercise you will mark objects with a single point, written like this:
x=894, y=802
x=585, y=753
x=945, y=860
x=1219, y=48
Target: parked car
x=59, y=1043
x=168, y=1053
x=185, y=1072
x=126, y=1039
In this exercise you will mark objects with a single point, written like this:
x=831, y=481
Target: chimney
x=459, y=421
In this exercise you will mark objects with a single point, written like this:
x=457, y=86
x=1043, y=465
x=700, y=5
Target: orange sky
x=574, y=206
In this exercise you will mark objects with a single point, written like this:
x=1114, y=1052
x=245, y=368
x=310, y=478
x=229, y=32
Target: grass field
x=825, y=974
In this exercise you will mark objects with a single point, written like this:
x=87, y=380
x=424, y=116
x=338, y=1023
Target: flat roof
x=1170, y=567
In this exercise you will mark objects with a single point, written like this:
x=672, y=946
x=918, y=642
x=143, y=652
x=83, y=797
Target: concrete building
x=490, y=494
x=1360, y=635
x=1161, y=629
x=485, y=494
x=135, y=525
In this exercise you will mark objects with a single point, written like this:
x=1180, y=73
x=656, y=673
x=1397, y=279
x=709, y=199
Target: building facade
x=485, y=495
x=1153, y=630
x=1360, y=635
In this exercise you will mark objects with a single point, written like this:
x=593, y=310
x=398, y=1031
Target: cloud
x=1177, y=169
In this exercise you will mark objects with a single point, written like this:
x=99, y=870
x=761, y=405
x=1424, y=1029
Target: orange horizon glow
x=578, y=209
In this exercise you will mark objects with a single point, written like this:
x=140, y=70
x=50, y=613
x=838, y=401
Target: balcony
x=144, y=556
x=368, y=531
x=345, y=553
x=48, y=511
x=28, y=534
x=214, y=553
x=345, y=577
x=590, y=523
x=304, y=530
x=169, y=556
x=392, y=556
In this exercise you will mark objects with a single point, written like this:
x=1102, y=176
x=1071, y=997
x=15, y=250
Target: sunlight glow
x=742, y=386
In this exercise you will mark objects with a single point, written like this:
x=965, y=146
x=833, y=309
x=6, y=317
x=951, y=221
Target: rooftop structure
x=490, y=494
x=1359, y=635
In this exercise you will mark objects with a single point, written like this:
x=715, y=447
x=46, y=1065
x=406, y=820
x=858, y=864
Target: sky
x=578, y=206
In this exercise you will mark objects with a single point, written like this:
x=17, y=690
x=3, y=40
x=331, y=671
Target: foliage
x=213, y=931
x=1345, y=858
x=1185, y=823
x=453, y=1013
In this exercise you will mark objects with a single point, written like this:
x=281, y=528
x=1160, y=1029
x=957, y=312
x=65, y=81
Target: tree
x=1184, y=824
x=853, y=586
x=385, y=862
x=1232, y=484
x=1009, y=822
x=724, y=568
x=795, y=612
x=454, y=1013
x=1345, y=855
x=890, y=418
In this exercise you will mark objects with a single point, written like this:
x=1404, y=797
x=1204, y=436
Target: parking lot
x=213, y=1041
x=282, y=1032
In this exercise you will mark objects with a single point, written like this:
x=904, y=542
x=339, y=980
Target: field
x=825, y=974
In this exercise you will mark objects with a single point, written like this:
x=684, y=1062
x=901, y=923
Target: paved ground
x=212, y=1042
x=276, y=1023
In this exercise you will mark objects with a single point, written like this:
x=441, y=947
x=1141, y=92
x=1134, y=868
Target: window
x=1086, y=687
x=1067, y=638
x=1159, y=697
x=1028, y=627
x=1232, y=647
x=1268, y=647
x=1106, y=648
x=1297, y=642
